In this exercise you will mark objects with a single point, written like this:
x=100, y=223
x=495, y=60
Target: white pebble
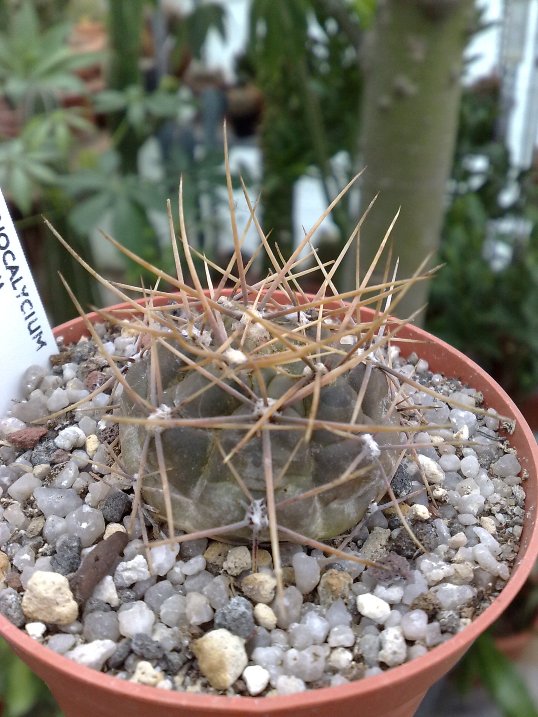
x=289, y=685
x=87, y=523
x=449, y=462
x=163, y=558
x=106, y=591
x=340, y=659
x=70, y=437
x=470, y=466
x=57, y=400
x=36, y=630
x=414, y=624
x=393, y=646
x=485, y=559
x=23, y=487
x=487, y=539
x=194, y=565
x=507, y=465
x=463, y=419
x=338, y=614
x=92, y=654
x=256, y=679
x=131, y=571
x=391, y=594
x=432, y=470
x=453, y=596
x=341, y=636
x=136, y=617
x=307, y=572
x=373, y=607
x=415, y=587
x=317, y=625
x=307, y=664
x=56, y=501
x=198, y=609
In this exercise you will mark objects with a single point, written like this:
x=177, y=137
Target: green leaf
x=25, y=22
x=501, y=679
x=110, y=101
x=130, y=225
x=20, y=189
x=87, y=214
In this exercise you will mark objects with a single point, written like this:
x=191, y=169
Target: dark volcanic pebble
x=43, y=452
x=143, y=646
x=67, y=557
x=236, y=616
x=115, y=506
x=174, y=661
x=120, y=654
x=10, y=607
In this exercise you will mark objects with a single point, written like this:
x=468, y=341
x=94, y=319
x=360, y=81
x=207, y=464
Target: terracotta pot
x=82, y=692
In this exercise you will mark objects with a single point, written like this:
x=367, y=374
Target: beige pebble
x=48, y=598
x=221, y=657
x=238, y=560
x=4, y=566
x=488, y=524
x=146, y=674
x=216, y=553
x=112, y=528
x=92, y=444
x=42, y=470
x=259, y=587
x=419, y=512
x=334, y=584
x=264, y=559
x=265, y=616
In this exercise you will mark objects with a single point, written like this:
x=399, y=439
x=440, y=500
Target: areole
x=82, y=692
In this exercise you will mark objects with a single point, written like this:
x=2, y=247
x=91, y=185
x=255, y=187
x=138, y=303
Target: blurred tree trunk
x=125, y=19
x=413, y=67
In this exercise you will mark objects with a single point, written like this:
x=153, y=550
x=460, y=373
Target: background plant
x=485, y=300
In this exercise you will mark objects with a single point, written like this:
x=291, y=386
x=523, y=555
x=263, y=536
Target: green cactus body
x=204, y=491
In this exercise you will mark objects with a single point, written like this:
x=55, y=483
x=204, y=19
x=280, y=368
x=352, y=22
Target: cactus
x=256, y=410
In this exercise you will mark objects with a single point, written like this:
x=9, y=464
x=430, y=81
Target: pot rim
x=393, y=677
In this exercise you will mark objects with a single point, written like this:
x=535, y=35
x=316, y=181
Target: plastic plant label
x=26, y=333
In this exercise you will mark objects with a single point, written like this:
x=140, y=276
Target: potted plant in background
x=264, y=331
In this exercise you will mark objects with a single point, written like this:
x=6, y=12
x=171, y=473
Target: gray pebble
x=174, y=661
x=101, y=625
x=401, y=482
x=236, y=617
x=67, y=557
x=156, y=594
x=115, y=506
x=120, y=654
x=449, y=621
x=43, y=452
x=61, y=643
x=10, y=607
x=191, y=548
x=146, y=648
x=127, y=595
x=95, y=605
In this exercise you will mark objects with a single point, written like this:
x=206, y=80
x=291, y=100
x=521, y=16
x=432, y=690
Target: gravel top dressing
x=76, y=572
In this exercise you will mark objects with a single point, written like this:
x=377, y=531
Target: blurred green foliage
x=22, y=694
x=485, y=298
